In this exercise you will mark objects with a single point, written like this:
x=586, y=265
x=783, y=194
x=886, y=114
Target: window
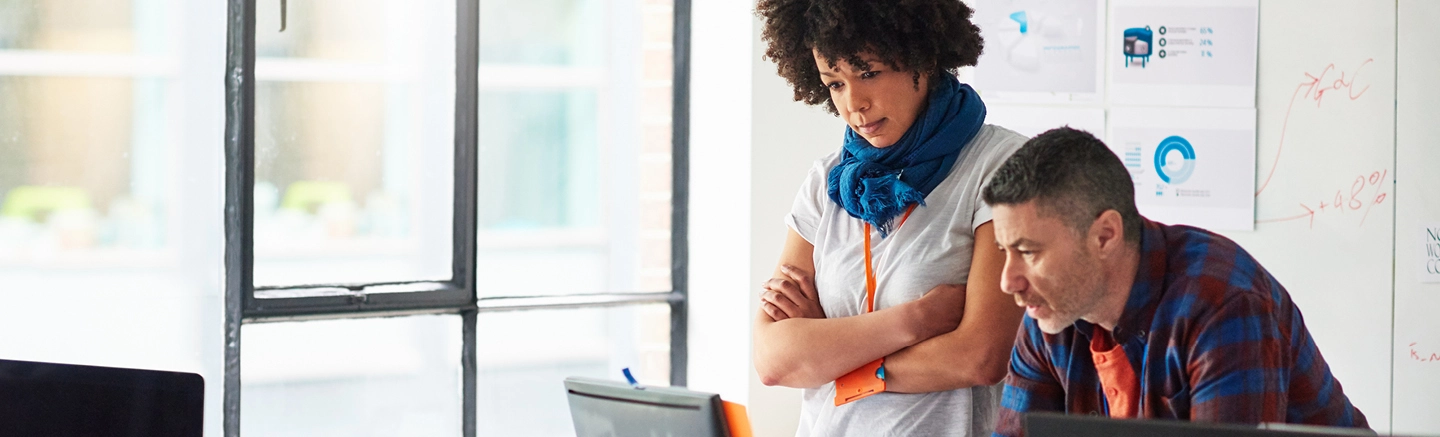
x=575, y=145
x=111, y=135
x=352, y=377
x=454, y=203
x=354, y=101
x=519, y=373
x=88, y=98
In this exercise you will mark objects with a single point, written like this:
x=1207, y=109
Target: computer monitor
x=603, y=408
x=63, y=400
x=1055, y=425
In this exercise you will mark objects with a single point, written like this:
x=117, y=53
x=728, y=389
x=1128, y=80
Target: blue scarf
x=877, y=184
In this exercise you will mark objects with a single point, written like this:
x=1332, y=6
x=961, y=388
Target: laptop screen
x=60, y=400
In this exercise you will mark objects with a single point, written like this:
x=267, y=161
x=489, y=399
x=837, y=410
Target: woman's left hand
x=792, y=296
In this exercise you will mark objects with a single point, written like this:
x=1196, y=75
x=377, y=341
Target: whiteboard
x=1417, y=331
x=1325, y=202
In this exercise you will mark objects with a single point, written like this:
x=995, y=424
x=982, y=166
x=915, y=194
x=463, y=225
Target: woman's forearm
x=803, y=352
x=809, y=351
x=966, y=357
x=806, y=352
x=977, y=352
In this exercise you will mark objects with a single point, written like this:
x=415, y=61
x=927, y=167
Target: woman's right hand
x=792, y=296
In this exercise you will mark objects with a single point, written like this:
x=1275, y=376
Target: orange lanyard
x=870, y=271
x=870, y=378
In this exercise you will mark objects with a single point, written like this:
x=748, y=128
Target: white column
x=719, y=205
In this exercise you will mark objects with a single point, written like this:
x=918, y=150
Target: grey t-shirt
x=933, y=247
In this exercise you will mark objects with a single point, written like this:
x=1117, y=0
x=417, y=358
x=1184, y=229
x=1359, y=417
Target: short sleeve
x=1003, y=144
x=982, y=215
x=810, y=200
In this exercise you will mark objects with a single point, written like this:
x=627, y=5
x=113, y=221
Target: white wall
x=750, y=147
x=719, y=328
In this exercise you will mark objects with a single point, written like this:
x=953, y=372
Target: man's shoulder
x=1206, y=271
x=1196, y=256
x=1187, y=242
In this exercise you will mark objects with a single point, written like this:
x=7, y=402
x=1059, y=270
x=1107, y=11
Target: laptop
x=63, y=400
x=611, y=408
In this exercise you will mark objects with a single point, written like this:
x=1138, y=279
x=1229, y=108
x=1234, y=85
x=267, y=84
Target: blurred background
x=112, y=120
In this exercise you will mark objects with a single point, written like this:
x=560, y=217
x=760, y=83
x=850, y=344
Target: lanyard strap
x=870, y=271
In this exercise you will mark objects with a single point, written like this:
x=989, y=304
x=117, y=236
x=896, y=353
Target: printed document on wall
x=1040, y=51
x=1183, y=52
x=1430, y=253
x=1192, y=166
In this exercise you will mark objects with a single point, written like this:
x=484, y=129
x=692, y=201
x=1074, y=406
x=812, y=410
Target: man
x=1125, y=317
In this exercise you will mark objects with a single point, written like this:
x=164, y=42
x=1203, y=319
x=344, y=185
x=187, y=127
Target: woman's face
x=880, y=104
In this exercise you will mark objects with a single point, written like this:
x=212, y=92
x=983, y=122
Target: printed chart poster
x=1192, y=166
x=1040, y=50
x=1183, y=52
x=1033, y=120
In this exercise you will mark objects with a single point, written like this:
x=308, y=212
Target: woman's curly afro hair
x=924, y=36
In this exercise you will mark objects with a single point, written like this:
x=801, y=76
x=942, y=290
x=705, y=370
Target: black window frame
x=458, y=295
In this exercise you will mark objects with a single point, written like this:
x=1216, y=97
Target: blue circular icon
x=1179, y=143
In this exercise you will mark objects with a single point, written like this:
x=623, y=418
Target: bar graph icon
x=1133, y=160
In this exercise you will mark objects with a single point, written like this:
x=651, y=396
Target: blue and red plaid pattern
x=1212, y=336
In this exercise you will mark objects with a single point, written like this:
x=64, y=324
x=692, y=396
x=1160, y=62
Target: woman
x=906, y=181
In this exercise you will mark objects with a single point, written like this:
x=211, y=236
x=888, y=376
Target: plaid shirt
x=1212, y=337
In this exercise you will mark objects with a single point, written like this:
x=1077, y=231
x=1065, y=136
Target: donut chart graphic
x=1175, y=142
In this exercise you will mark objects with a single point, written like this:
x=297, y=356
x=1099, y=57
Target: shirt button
x=1099, y=359
x=1112, y=392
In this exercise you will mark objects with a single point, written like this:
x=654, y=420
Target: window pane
x=357, y=377
x=82, y=25
x=547, y=177
x=549, y=32
x=112, y=185
x=521, y=390
x=354, y=142
x=355, y=30
x=575, y=157
x=82, y=176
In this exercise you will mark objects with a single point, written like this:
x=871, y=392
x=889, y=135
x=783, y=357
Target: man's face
x=1049, y=268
